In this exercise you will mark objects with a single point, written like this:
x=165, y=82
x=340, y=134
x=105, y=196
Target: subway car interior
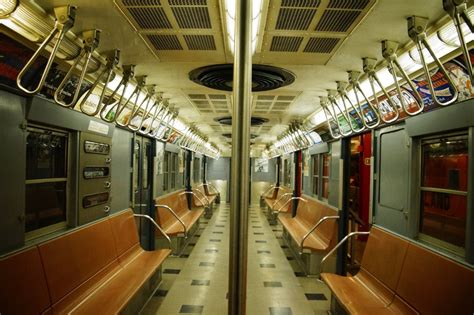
x=277, y=157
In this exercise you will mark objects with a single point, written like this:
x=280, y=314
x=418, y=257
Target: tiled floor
x=196, y=283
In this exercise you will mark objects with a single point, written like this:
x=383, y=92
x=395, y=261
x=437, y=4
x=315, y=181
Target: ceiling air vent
x=192, y=17
x=348, y=4
x=254, y=121
x=187, y=2
x=294, y=19
x=337, y=20
x=131, y=3
x=219, y=77
x=150, y=18
x=286, y=43
x=200, y=42
x=300, y=3
x=321, y=45
x=165, y=42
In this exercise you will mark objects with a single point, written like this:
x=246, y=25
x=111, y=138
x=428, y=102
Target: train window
x=46, y=180
x=325, y=175
x=165, y=170
x=286, y=173
x=443, y=191
x=315, y=174
x=196, y=169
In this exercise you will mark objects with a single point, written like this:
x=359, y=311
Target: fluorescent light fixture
x=230, y=7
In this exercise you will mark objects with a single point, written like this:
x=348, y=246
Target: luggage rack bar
x=368, y=65
x=65, y=17
x=417, y=32
x=389, y=49
x=113, y=59
x=354, y=81
x=91, y=39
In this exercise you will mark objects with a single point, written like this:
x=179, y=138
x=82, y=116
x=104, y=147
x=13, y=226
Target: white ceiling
x=315, y=72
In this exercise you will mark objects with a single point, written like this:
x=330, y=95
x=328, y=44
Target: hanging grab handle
x=457, y=9
x=157, y=106
x=369, y=68
x=170, y=128
x=112, y=61
x=91, y=40
x=354, y=81
x=417, y=32
x=141, y=81
x=389, y=49
x=65, y=17
x=332, y=100
x=324, y=104
x=109, y=115
x=142, y=112
x=341, y=88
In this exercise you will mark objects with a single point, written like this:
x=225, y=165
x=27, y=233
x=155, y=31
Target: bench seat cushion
x=189, y=218
x=113, y=295
x=298, y=229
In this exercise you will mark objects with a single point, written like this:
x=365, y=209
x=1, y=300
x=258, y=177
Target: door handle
x=106, y=209
x=107, y=184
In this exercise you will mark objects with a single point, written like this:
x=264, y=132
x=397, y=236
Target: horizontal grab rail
x=281, y=197
x=292, y=198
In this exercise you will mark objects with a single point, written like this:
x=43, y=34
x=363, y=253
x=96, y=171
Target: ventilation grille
x=300, y=3
x=130, y=3
x=286, y=43
x=211, y=103
x=150, y=18
x=272, y=104
x=294, y=19
x=348, y=4
x=200, y=42
x=187, y=2
x=321, y=45
x=337, y=20
x=165, y=42
x=192, y=17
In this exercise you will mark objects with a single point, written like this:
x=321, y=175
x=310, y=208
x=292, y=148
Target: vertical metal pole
x=278, y=171
x=240, y=159
x=297, y=191
x=344, y=212
x=187, y=169
x=204, y=169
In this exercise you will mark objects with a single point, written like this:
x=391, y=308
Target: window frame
x=425, y=238
x=323, y=177
x=315, y=165
x=33, y=234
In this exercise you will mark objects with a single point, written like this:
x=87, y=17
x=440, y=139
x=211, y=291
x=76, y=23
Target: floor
x=196, y=283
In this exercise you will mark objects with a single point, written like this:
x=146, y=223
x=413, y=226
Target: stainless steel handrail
x=65, y=16
x=212, y=186
x=141, y=81
x=292, y=198
x=324, y=105
x=336, y=247
x=164, y=111
x=170, y=128
x=91, y=39
x=354, y=81
x=155, y=224
x=272, y=187
x=341, y=88
x=417, y=32
x=128, y=74
x=457, y=9
x=389, y=49
x=281, y=197
x=369, y=69
x=198, y=198
x=113, y=59
x=329, y=217
x=332, y=99
x=177, y=218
